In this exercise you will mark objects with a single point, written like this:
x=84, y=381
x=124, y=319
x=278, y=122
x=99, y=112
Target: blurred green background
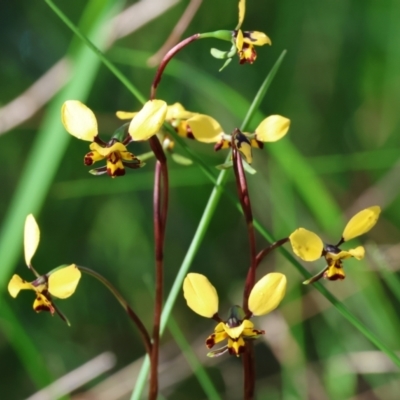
x=340, y=86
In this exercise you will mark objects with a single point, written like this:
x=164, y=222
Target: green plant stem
x=132, y=315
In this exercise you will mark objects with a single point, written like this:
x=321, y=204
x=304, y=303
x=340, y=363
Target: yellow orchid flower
x=176, y=116
x=207, y=130
x=202, y=298
x=243, y=42
x=60, y=283
x=80, y=122
x=309, y=247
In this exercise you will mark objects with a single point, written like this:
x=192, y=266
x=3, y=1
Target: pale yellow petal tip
x=31, y=238
x=63, y=282
x=200, y=295
x=361, y=223
x=306, y=244
x=307, y=282
x=148, y=121
x=272, y=128
x=267, y=293
x=79, y=120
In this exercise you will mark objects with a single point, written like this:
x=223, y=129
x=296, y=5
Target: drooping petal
x=205, y=128
x=306, y=244
x=256, y=38
x=272, y=128
x=148, y=121
x=267, y=293
x=16, y=284
x=125, y=114
x=316, y=277
x=361, y=223
x=200, y=295
x=242, y=11
x=63, y=282
x=79, y=120
x=31, y=238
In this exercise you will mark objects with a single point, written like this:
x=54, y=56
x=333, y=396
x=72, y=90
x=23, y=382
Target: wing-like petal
x=63, y=282
x=267, y=293
x=361, y=223
x=272, y=128
x=79, y=120
x=306, y=244
x=200, y=295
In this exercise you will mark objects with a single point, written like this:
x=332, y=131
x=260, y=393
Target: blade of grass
x=196, y=366
x=40, y=168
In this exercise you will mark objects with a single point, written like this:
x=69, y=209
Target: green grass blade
x=197, y=368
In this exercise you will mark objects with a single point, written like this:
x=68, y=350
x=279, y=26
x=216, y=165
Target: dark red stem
x=241, y=184
x=267, y=250
x=167, y=58
x=160, y=208
x=249, y=371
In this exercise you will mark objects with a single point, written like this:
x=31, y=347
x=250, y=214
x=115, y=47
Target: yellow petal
x=234, y=332
x=205, y=128
x=79, y=120
x=239, y=40
x=358, y=253
x=63, y=282
x=125, y=114
x=272, y=128
x=200, y=295
x=148, y=121
x=334, y=273
x=42, y=303
x=256, y=38
x=242, y=11
x=31, y=238
x=267, y=293
x=244, y=146
x=306, y=244
x=361, y=223
x=16, y=284
x=177, y=111
x=106, y=151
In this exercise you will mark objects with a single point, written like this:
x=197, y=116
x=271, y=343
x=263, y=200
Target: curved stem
x=160, y=206
x=271, y=247
x=167, y=58
x=132, y=315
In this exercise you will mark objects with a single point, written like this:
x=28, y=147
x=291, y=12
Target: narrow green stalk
x=197, y=368
x=132, y=315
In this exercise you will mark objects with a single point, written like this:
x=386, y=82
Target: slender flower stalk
x=241, y=144
x=160, y=207
x=132, y=315
x=239, y=141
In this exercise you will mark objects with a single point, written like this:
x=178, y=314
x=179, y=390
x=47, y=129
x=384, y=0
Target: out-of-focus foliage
x=340, y=87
